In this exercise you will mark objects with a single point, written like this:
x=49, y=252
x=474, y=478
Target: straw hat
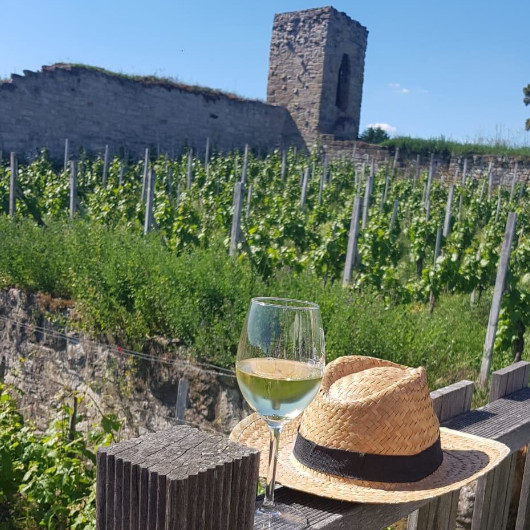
x=371, y=435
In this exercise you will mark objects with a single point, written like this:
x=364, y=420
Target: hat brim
x=466, y=457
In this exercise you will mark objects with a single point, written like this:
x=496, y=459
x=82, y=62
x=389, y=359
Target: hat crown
x=373, y=406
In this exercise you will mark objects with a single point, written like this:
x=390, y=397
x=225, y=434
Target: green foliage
x=48, y=480
x=374, y=135
x=444, y=147
x=178, y=281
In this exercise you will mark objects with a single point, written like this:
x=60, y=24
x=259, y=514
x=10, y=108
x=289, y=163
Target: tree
x=374, y=135
x=526, y=92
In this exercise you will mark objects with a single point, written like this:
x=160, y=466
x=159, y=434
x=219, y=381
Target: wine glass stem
x=268, y=502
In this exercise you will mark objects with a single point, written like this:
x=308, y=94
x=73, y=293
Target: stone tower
x=316, y=71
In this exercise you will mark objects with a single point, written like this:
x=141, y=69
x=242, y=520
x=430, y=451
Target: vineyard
x=401, y=260
x=417, y=237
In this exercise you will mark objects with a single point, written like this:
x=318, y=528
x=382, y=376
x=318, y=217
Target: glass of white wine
x=279, y=366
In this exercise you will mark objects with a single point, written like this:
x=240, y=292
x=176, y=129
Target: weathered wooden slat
x=508, y=380
x=440, y=514
x=493, y=494
x=101, y=483
x=507, y=419
x=523, y=512
x=177, y=479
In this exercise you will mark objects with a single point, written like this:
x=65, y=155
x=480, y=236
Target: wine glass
x=279, y=367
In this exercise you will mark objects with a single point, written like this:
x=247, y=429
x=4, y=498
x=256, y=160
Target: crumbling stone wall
x=316, y=70
x=93, y=108
x=50, y=367
x=313, y=97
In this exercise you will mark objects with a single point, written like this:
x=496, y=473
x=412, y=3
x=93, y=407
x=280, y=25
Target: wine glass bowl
x=279, y=367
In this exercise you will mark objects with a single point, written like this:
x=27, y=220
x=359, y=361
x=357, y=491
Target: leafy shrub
x=48, y=480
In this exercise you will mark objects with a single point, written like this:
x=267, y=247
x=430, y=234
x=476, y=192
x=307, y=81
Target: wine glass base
x=279, y=516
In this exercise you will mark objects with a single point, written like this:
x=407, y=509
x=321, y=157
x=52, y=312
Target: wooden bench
x=183, y=478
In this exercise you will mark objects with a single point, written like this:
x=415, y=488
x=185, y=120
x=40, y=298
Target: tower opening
x=343, y=84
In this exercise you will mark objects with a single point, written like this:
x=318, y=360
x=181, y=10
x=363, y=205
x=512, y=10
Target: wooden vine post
x=283, y=169
x=437, y=250
x=394, y=215
x=396, y=160
x=207, y=155
x=464, y=172
x=249, y=201
x=182, y=400
x=514, y=181
x=145, y=173
x=448, y=207
x=490, y=180
x=245, y=165
x=416, y=171
x=149, y=218
x=498, y=292
x=66, y=155
x=73, y=187
x=429, y=181
x=106, y=162
x=120, y=173
x=13, y=184
x=189, y=174
x=304, y=188
x=351, y=252
x=366, y=205
x=236, y=219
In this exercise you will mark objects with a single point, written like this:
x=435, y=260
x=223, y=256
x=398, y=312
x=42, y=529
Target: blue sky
x=452, y=68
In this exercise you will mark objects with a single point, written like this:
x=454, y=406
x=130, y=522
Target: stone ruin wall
x=49, y=367
x=314, y=98
x=316, y=70
x=93, y=108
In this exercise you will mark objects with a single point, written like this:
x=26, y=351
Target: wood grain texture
x=498, y=292
x=189, y=464
x=440, y=514
x=178, y=478
x=351, y=250
x=523, y=513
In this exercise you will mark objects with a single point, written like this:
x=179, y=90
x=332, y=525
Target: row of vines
x=280, y=229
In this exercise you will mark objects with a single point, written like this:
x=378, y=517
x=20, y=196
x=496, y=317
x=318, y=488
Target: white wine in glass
x=280, y=364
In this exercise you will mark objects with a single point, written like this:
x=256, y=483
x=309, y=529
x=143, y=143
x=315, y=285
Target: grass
x=132, y=289
x=151, y=80
x=445, y=148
